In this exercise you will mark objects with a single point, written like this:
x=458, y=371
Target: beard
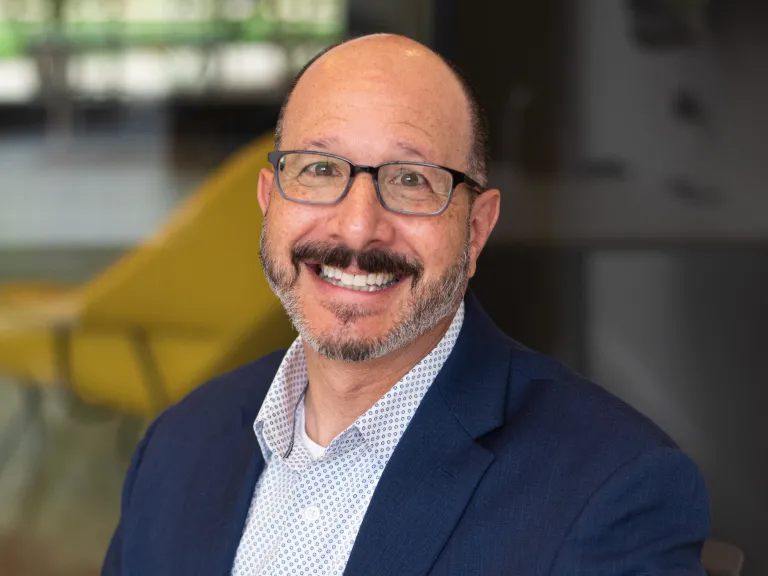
x=428, y=302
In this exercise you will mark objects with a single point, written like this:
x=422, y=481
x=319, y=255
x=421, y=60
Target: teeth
x=363, y=282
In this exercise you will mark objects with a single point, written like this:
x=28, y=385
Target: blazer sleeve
x=650, y=517
x=113, y=563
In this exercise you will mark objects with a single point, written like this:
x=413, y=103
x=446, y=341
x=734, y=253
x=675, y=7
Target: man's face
x=415, y=268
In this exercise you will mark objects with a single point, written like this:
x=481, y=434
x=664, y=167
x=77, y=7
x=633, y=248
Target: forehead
x=373, y=106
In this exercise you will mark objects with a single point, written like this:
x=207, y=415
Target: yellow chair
x=188, y=304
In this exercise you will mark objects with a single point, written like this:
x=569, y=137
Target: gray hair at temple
x=479, y=155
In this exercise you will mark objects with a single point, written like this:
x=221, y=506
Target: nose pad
x=364, y=184
x=358, y=219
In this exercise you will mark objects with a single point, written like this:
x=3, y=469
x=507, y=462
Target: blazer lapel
x=419, y=499
x=437, y=464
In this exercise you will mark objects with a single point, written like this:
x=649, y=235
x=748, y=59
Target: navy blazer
x=512, y=464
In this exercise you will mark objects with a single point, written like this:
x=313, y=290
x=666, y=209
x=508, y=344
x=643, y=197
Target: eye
x=321, y=169
x=409, y=179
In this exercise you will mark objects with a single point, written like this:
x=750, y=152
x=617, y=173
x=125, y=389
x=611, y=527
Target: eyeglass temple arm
x=473, y=184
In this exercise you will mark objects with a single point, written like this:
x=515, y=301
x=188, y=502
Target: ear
x=266, y=181
x=482, y=219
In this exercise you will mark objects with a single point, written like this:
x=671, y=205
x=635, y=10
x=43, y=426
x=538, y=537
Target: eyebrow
x=323, y=143
x=413, y=151
x=330, y=143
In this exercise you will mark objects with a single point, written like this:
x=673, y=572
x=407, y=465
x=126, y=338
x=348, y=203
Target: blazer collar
x=473, y=381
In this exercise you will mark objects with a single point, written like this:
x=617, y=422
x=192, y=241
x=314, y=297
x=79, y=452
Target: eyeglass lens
x=405, y=187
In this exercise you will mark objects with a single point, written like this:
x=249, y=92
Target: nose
x=359, y=220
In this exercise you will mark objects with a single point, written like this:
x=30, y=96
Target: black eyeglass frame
x=458, y=178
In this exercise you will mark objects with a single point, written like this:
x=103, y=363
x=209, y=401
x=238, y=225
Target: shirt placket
x=315, y=516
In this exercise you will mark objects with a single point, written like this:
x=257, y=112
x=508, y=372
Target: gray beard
x=430, y=303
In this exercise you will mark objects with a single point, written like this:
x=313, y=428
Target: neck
x=340, y=392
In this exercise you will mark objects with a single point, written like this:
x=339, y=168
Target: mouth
x=360, y=282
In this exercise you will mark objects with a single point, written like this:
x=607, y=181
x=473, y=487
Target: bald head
x=386, y=74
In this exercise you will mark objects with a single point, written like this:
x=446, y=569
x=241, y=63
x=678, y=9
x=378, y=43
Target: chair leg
x=31, y=402
x=153, y=380
x=129, y=433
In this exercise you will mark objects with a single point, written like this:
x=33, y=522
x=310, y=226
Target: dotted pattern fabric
x=305, y=513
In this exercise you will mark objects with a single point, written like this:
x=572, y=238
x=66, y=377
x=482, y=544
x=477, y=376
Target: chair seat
x=29, y=316
x=31, y=292
x=36, y=306
x=183, y=306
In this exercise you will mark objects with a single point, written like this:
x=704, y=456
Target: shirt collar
x=383, y=424
x=275, y=423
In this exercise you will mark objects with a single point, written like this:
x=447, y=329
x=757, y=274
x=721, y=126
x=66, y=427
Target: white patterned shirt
x=306, y=512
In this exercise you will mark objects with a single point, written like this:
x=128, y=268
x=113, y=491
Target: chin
x=355, y=340
x=348, y=348
x=337, y=324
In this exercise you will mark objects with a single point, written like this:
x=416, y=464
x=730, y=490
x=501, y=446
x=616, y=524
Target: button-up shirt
x=306, y=511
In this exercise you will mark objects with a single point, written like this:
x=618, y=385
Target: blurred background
x=629, y=140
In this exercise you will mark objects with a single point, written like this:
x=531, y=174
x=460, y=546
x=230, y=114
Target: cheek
x=287, y=222
x=438, y=245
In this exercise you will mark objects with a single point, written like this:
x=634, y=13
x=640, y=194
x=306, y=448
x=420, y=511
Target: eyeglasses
x=414, y=188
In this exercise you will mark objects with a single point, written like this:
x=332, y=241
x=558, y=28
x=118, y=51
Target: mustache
x=372, y=261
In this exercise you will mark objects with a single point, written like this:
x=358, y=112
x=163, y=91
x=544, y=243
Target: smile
x=360, y=282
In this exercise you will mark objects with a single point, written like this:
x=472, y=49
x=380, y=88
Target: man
x=402, y=433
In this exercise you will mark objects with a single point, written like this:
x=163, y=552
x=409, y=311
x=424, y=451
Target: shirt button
x=311, y=513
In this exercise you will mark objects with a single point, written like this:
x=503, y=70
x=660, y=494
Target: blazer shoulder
x=241, y=389
x=577, y=411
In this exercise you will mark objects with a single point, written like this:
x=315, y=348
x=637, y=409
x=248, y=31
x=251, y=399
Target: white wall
x=681, y=334
x=682, y=337
x=624, y=111
x=95, y=191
